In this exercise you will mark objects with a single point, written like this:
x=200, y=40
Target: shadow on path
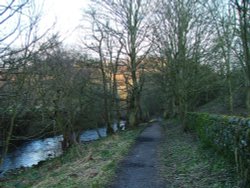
x=140, y=169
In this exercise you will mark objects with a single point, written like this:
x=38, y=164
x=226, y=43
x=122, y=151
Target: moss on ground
x=86, y=165
x=186, y=163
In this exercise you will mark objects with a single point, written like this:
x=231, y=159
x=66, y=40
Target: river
x=32, y=152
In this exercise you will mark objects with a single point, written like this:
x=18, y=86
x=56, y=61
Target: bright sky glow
x=67, y=14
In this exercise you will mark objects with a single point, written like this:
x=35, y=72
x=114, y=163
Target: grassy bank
x=87, y=165
x=186, y=163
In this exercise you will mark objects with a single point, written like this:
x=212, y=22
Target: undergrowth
x=187, y=163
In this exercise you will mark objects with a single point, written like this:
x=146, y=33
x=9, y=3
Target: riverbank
x=88, y=165
x=180, y=157
x=186, y=163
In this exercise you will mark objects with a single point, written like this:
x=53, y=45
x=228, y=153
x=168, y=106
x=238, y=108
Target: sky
x=67, y=14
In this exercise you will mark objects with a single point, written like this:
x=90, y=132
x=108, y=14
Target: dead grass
x=187, y=164
x=87, y=165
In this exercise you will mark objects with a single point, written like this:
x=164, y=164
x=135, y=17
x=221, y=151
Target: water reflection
x=93, y=134
x=32, y=152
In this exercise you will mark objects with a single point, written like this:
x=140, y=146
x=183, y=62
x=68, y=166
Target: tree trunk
x=8, y=138
x=70, y=137
x=230, y=97
x=184, y=116
x=116, y=99
x=248, y=98
x=243, y=11
x=106, y=100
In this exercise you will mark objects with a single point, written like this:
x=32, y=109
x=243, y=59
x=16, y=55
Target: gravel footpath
x=140, y=169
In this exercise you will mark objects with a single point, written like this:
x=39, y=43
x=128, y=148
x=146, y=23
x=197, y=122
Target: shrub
x=229, y=135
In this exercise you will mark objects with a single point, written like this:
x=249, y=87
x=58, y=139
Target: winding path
x=140, y=169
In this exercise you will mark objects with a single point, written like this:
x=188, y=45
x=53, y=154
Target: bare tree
x=114, y=48
x=222, y=18
x=11, y=15
x=66, y=93
x=242, y=26
x=99, y=44
x=182, y=36
x=18, y=41
x=132, y=18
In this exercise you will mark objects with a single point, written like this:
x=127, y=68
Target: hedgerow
x=229, y=135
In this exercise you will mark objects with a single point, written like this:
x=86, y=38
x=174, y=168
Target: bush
x=229, y=135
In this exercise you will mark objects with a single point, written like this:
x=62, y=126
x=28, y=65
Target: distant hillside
x=219, y=105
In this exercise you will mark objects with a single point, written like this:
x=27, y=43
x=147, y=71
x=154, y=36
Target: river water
x=32, y=152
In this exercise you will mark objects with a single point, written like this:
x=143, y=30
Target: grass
x=86, y=165
x=187, y=163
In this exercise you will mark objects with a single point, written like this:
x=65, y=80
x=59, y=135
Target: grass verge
x=86, y=165
x=186, y=163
